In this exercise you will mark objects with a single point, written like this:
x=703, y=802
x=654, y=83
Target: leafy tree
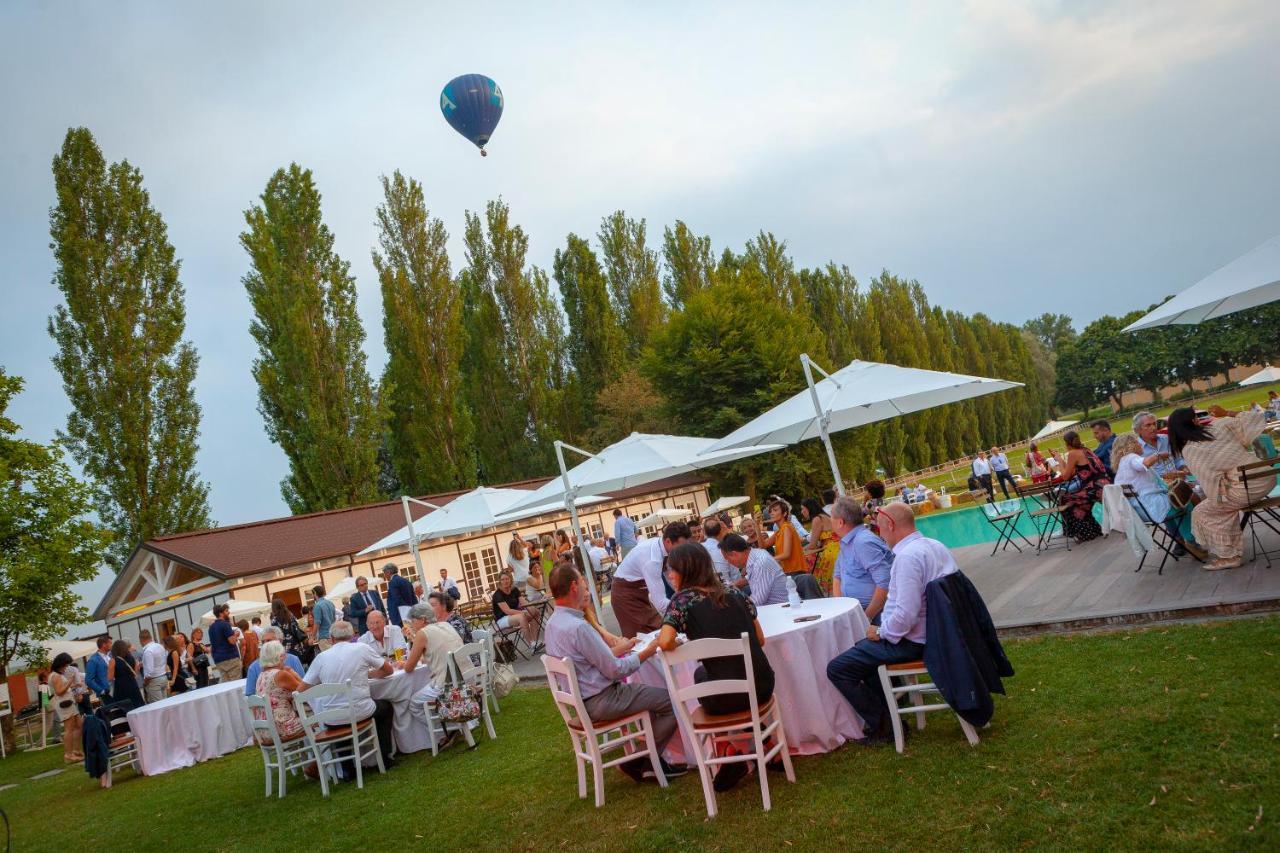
x=631, y=270
x=594, y=344
x=1044, y=364
x=767, y=264
x=430, y=436
x=530, y=345
x=314, y=389
x=626, y=405
x=47, y=543
x=689, y=264
x=1053, y=331
x=134, y=422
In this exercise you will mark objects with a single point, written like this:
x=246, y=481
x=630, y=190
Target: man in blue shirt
x=624, y=530
x=95, y=674
x=1144, y=426
x=255, y=669
x=222, y=644
x=1105, y=437
x=863, y=565
x=323, y=615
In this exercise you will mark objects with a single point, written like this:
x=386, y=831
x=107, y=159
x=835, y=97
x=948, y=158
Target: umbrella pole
x=413, y=540
x=823, y=421
x=571, y=503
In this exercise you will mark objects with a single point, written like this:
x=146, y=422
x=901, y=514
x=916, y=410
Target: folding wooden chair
x=334, y=733
x=279, y=754
x=703, y=731
x=910, y=672
x=1046, y=516
x=1159, y=534
x=1259, y=478
x=593, y=738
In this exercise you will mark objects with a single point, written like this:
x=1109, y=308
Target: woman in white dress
x=518, y=562
x=68, y=688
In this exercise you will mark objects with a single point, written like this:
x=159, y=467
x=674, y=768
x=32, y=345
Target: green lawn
x=1235, y=398
x=1158, y=739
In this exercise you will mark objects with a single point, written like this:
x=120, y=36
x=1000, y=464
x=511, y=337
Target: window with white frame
x=480, y=570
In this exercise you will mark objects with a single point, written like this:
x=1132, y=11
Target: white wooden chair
x=703, y=731
x=122, y=749
x=466, y=673
x=592, y=738
x=480, y=635
x=333, y=732
x=910, y=672
x=280, y=754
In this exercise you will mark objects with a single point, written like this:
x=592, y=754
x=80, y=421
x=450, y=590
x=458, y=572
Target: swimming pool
x=962, y=527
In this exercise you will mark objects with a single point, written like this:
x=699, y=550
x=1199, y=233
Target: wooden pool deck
x=1095, y=585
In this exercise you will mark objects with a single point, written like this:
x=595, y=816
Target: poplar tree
x=430, y=433
x=314, y=389
x=127, y=371
x=511, y=305
x=631, y=270
x=690, y=267
x=594, y=343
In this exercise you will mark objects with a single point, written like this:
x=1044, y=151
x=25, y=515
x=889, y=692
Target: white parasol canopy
x=1250, y=280
x=661, y=516
x=1265, y=376
x=719, y=505
x=344, y=588
x=475, y=510
x=859, y=393
x=76, y=648
x=239, y=610
x=1051, y=427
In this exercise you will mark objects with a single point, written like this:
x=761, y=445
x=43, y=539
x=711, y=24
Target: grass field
x=1167, y=738
x=1235, y=398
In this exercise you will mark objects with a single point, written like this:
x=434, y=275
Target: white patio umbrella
x=344, y=588
x=476, y=510
x=1051, y=427
x=659, y=516
x=239, y=610
x=634, y=461
x=1264, y=376
x=719, y=505
x=1250, y=280
x=859, y=393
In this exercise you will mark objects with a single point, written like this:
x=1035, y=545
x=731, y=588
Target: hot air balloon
x=472, y=104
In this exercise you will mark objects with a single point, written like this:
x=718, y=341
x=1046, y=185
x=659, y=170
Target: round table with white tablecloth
x=817, y=718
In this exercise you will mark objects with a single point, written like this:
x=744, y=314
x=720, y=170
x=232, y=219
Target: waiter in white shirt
x=639, y=597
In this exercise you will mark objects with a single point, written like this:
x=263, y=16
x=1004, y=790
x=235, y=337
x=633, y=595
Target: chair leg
x=646, y=725
x=467, y=736
x=761, y=770
x=597, y=772
x=582, y=771
x=355, y=749
x=377, y=750
x=784, y=748
x=917, y=699
x=969, y=731
x=895, y=718
x=704, y=773
x=488, y=724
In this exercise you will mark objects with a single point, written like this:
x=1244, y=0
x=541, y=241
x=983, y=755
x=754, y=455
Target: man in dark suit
x=364, y=602
x=399, y=593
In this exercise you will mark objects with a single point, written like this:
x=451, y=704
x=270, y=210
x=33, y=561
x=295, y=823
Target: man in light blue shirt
x=1144, y=426
x=624, y=530
x=863, y=565
x=291, y=660
x=323, y=614
x=601, y=670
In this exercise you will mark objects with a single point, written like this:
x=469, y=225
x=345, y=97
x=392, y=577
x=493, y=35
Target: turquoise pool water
x=962, y=527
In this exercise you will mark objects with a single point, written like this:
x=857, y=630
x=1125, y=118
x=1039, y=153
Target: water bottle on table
x=793, y=596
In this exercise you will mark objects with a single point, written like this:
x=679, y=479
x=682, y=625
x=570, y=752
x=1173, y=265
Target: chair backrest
x=991, y=510
x=262, y=727
x=1251, y=473
x=698, y=650
x=1134, y=503
x=325, y=705
x=562, y=680
x=116, y=716
x=463, y=663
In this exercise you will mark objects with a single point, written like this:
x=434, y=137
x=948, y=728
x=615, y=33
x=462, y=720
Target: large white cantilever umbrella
x=634, y=461
x=1250, y=280
x=1264, y=376
x=859, y=393
x=475, y=510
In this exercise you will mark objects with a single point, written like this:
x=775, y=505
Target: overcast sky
x=1082, y=157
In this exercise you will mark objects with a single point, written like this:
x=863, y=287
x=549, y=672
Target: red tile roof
x=260, y=546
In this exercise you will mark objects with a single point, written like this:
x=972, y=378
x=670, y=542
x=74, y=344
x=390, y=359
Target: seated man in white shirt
x=597, y=552
x=448, y=585
x=760, y=571
x=357, y=663
x=728, y=574
x=383, y=637
x=901, y=634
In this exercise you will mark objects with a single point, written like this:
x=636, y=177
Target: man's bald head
x=897, y=522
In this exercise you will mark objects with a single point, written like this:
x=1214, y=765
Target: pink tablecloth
x=817, y=718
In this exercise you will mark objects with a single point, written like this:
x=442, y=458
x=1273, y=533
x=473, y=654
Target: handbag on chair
x=504, y=679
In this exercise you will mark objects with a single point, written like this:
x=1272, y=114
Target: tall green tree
x=512, y=301
x=1051, y=330
x=314, y=389
x=134, y=422
x=631, y=270
x=47, y=543
x=430, y=433
x=594, y=343
x=689, y=265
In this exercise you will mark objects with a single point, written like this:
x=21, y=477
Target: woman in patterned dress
x=1083, y=477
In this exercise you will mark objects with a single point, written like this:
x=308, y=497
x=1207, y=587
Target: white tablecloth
x=202, y=724
x=194, y=726
x=817, y=718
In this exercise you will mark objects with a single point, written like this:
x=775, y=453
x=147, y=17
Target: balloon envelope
x=472, y=104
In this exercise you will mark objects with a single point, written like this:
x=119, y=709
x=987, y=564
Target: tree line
x=487, y=362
